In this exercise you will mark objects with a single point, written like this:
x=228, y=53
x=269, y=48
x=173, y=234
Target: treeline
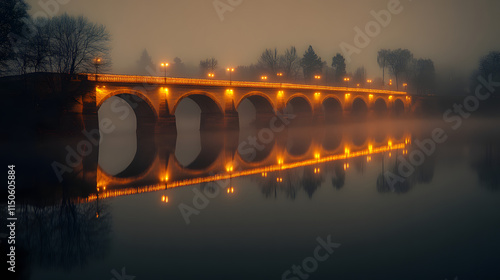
x=62, y=44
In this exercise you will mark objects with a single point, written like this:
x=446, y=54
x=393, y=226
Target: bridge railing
x=108, y=78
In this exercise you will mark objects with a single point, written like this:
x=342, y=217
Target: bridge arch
x=263, y=105
x=332, y=109
x=359, y=107
x=398, y=107
x=212, y=112
x=146, y=118
x=380, y=107
x=300, y=105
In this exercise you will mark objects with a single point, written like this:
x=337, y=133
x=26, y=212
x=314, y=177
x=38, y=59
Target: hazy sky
x=453, y=33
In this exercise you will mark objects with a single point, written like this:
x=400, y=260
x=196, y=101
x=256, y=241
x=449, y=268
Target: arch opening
x=127, y=125
x=380, y=107
x=359, y=108
x=399, y=107
x=332, y=109
x=301, y=110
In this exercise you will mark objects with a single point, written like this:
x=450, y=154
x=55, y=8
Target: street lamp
x=97, y=62
x=405, y=85
x=347, y=79
x=280, y=76
x=165, y=65
x=317, y=77
x=211, y=75
x=230, y=70
x=263, y=78
x=369, y=83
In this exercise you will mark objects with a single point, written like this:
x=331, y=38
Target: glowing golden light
x=97, y=214
x=317, y=94
x=164, y=198
x=164, y=64
x=370, y=96
x=346, y=150
x=279, y=74
x=390, y=154
x=390, y=82
x=368, y=158
x=229, y=168
x=317, y=77
x=280, y=94
x=347, y=95
x=230, y=69
x=389, y=143
x=317, y=155
x=229, y=92
x=357, y=85
x=347, y=79
x=370, y=148
x=264, y=174
x=113, y=192
x=263, y=77
x=369, y=81
x=230, y=190
x=390, y=97
x=211, y=75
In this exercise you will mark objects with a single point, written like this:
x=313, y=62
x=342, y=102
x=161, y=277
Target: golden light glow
x=229, y=168
x=279, y=74
x=280, y=94
x=264, y=174
x=108, y=78
x=347, y=95
x=263, y=77
x=229, y=92
x=369, y=81
x=317, y=170
x=230, y=69
x=346, y=166
x=97, y=214
x=259, y=170
x=370, y=148
x=390, y=97
x=390, y=82
x=230, y=190
x=405, y=84
x=164, y=198
x=357, y=85
x=164, y=64
x=370, y=96
x=317, y=155
x=317, y=77
x=279, y=180
x=368, y=158
x=317, y=95
x=346, y=150
x=211, y=75
x=347, y=79
x=390, y=154
x=389, y=143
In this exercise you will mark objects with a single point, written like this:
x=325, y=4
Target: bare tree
x=76, y=42
x=208, y=65
x=290, y=63
x=398, y=61
x=269, y=60
x=144, y=64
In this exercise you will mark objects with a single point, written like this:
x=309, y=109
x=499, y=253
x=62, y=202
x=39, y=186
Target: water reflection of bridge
x=290, y=149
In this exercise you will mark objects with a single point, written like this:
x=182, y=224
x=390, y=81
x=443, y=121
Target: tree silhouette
x=269, y=60
x=290, y=63
x=13, y=16
x=311, y=64
x=398, y=61
x=208, y=65
x=382, y=57
x=145, y=64
x=339, y=66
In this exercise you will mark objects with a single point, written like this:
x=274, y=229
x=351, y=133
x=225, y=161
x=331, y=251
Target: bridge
x=157, y=98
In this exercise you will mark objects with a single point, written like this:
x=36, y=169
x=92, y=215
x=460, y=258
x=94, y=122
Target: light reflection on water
x=439, y=223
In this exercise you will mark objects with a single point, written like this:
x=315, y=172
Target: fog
x=454, y=34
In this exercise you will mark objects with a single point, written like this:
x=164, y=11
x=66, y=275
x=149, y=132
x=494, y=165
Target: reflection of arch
x=333, y=139
x=359, y=107
x=211, y=148
x=380, y=107
x=298, y=142
x=399, y=107
x=146, y=117
x=332, y=108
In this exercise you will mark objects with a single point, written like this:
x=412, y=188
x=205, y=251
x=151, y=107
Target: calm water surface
x=439, y=222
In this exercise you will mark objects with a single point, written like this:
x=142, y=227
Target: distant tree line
x=62, y=44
